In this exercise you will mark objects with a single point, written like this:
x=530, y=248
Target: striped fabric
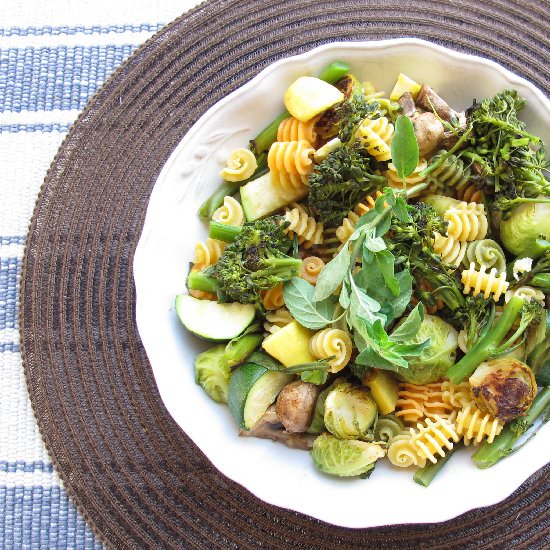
x=53, y=56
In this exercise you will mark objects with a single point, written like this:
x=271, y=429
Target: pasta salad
x=376, y=278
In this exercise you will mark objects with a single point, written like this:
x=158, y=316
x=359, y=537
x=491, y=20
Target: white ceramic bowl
x=274, y=473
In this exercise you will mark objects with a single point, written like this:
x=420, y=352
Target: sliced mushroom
x=296, y=404
x=429, y=132
x=407, y=104
x=430, y=101
x=269, y=427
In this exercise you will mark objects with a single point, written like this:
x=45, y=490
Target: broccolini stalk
x=198, y=280
x=334, y=72
x=215, y=200
x=505, y=204
x=224, y=232
x=240, y=348
x=424, y=476
x=490, y=344
x=488, y=454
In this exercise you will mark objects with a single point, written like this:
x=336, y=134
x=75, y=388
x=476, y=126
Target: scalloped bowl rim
x=172, y=365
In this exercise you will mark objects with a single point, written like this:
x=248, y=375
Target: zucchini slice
x=213, y=321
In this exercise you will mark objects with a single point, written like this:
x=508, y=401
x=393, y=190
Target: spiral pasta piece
x=311, y=267
x=208, y=253
x=469, y=193
x=332, y=342
x=376, y=136
x=273, y=298
x=395, y=181
x=487, y=252
x=291, y=157
x=418, y=401
x=331, y=244
x=275, y=320
x=305, y=227
x=344, y=231
x=475, y=425
x=387, y=427
x=403, y=453
x=467, y=222
x=230, y=213
x=433, y=437
x=528, y=293
x=290, y=164
x=292, y=129
x=489, y=283
x=240, y=165
x=452, y=252
x=456, y=395
x=451, y=173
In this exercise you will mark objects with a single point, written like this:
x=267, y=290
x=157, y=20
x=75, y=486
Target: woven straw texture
x=138, y=480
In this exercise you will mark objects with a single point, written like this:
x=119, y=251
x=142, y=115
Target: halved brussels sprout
x=436, y=359
x=350, y=411
x=527, y=224
x=213, y=374
x=344, y=458
x=503, y=387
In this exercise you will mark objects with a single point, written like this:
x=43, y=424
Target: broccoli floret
x=411, y=243
x=340, y=182
x=256, y=260
x=513, y=161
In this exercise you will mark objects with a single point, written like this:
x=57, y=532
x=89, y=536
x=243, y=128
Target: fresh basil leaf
x=409, y=328
x=386, y=265
x=380, y=360
x=362, y=305
x=411, y=350
x=404, y=147
x=383, y=227
x=332, y=275
x=373, y=243
x=345, y=294
x=400, y=210
x=315, y=376
x=298, y=297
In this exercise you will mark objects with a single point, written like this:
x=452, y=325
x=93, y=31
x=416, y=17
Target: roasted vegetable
x=350, y=411
x=344, y=458
x=526, y=231
x=340, y=182
x=295, y=405
x=504, y=444
x=436, y=359
x=256, y=260
x=212, y=373
x=503, y=387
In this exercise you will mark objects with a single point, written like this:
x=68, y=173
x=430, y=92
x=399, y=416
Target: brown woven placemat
x=138, y=480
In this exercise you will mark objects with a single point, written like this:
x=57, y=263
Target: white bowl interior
x=274, y=473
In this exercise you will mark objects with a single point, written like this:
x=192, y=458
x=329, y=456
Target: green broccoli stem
x=228, y=188
x=283, y=268
x=489, y=344
x=424, y=476
x=542, y=281
x=262, y=142
x=334, y=72
x=197, y=280
x=224, y=232
x=239, y=349
x=489, y=454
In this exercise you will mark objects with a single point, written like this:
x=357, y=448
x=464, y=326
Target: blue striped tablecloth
x=53, y=56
